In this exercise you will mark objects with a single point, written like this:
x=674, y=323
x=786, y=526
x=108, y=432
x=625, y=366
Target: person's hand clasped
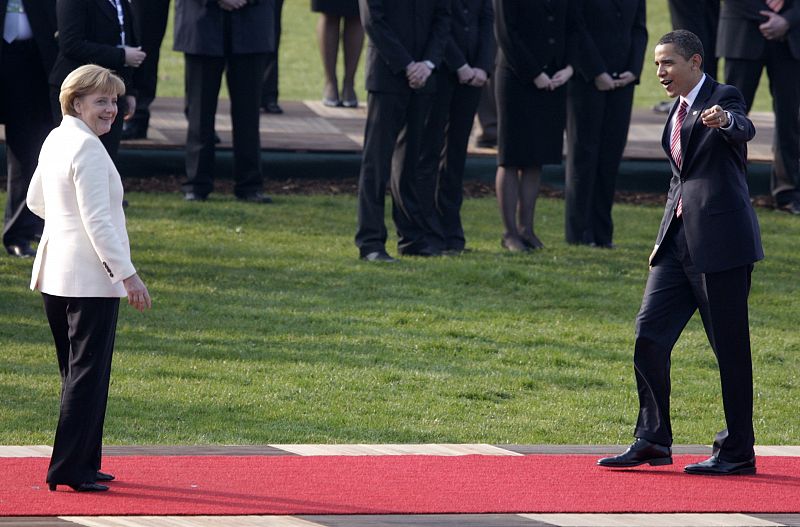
x=542, y=81
x=231, y=5
x=480, y=78
x=138, y=296
x=625, y=78
x=417, y=74
x=776, y=26
x=131, y=101
x=715, y=117
x=465, y=74
x=604, y=82
x=561, y=77
x=134, y=56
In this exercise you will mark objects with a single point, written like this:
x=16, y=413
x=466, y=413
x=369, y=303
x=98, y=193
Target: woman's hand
x=542, y=81
x=561, y=77
x=131, y=100
x=138, y=296
x=604, y=82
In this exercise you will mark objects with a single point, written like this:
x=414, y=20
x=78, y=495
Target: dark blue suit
x=702, y=262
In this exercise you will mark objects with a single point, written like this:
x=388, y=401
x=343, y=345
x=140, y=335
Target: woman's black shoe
x=82, y=487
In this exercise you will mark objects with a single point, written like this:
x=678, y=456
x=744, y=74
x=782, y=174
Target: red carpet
x=209, y=485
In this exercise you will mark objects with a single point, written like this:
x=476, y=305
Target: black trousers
x=244, y=73
x=444, y=155
x=675, y=290
x=784, y=86
x=269, y=91
x=83, y=330
x=701, y=17
x=392, y=141
x=597, y=131
x=150, y=17
x=24, y=105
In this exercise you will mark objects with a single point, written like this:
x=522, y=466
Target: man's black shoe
x=194, y=196
x=792, y=207
x=714, y=466
x=425, y=252
x=272, y=107
x=20, y=250
x=255, y=197
x=377, y=256
x=131, y=130
x=640, y=452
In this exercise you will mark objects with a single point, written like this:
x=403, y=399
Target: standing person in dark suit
x=599, y=104
x=754, y=34
x=28, y=49
x=468, y=61
x=406, y=44
x=701, y=17
x=706, y=246
x=102, y=33
x=269, y=92
x=151, y=22
x=235, y=37
x=538, y=43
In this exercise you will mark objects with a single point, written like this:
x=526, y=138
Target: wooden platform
x=308, y=126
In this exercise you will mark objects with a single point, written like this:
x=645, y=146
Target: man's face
x=676, y=74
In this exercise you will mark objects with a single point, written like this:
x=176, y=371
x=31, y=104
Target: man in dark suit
x=406, y=44
x=468, y=61
x=151, y=22
x=98, y=32
x=706, y=246
x=701, y=17
x=235, y=37
x=269, y=92
x=754, y=34
x=28, y=50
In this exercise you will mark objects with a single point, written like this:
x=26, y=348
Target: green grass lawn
x=301, y=66
x=266, y=328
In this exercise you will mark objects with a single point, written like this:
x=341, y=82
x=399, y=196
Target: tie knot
x=682, y=108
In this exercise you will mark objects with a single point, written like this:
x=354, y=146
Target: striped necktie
x=675, y=145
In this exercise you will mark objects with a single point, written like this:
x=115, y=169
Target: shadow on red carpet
x=222, y=485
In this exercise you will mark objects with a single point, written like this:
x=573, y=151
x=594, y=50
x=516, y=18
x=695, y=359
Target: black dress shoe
x=425, y=252
x=377, y=256
x=640, y=452
x=20, y=250
x=793, y=207
x=602, y=245
x=102, y=476
x=272, y=107
x=714, y=466
x=194, y=196
x=255, y=197
x=81, y=487
x=131, y=130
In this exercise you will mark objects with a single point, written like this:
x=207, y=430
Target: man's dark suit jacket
x=402, y=32
x=615, y=39
x=199, y=28
x=42, y=18
x=719, y=222
x=738, y=36
x=471, y=38
x=89, y=33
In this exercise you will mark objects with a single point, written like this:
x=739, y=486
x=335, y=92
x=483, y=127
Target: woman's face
x=97, y=110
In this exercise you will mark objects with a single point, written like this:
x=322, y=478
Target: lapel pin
x=694, y=112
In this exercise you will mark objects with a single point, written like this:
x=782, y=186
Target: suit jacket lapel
x=693, y=115
x=108, y=9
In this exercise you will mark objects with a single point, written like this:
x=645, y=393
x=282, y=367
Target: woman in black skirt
x=339, y=17
x=537, y=42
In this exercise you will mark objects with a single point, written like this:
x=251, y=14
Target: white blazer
x=84, y=251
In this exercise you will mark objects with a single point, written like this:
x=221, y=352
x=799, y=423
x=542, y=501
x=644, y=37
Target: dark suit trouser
x=674, y=291
x=151, y=20
x=244, y=73
x=269, y=92
x=392, y=137
x=784, y=86
x=701, y=17
x=83, y=331
x=24, y=100
x=487, y=112
x=596, y=135
x=444, y=155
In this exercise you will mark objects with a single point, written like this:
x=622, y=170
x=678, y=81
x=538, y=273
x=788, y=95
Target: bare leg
x=530, y=180
x=353, y=41
x=507, y=188
x=328, y=37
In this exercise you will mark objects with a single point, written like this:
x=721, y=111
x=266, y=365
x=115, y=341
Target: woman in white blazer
x=82, y=267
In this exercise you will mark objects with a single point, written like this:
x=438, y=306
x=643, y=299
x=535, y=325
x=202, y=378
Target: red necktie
x=775, y=5
x=675, y=145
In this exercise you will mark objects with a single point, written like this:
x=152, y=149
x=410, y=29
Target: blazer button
x=551, y=41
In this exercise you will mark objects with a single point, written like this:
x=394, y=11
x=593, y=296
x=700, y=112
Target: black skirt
x=335, y=7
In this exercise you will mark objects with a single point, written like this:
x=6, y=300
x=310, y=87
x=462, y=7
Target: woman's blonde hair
x=88, y=79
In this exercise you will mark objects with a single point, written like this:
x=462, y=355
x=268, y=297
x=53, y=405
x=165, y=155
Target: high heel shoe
x=350, y=103
x=532, y=243
x=331, y=103
x=81, y=487
x=102, y=476
x=515, y=245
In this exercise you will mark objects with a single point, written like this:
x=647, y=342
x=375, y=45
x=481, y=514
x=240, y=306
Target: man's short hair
x=686, y=44
x=87, y=79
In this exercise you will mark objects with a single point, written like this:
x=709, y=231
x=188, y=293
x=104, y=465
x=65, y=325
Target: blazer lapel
x=693, y=116
x=108, y=9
